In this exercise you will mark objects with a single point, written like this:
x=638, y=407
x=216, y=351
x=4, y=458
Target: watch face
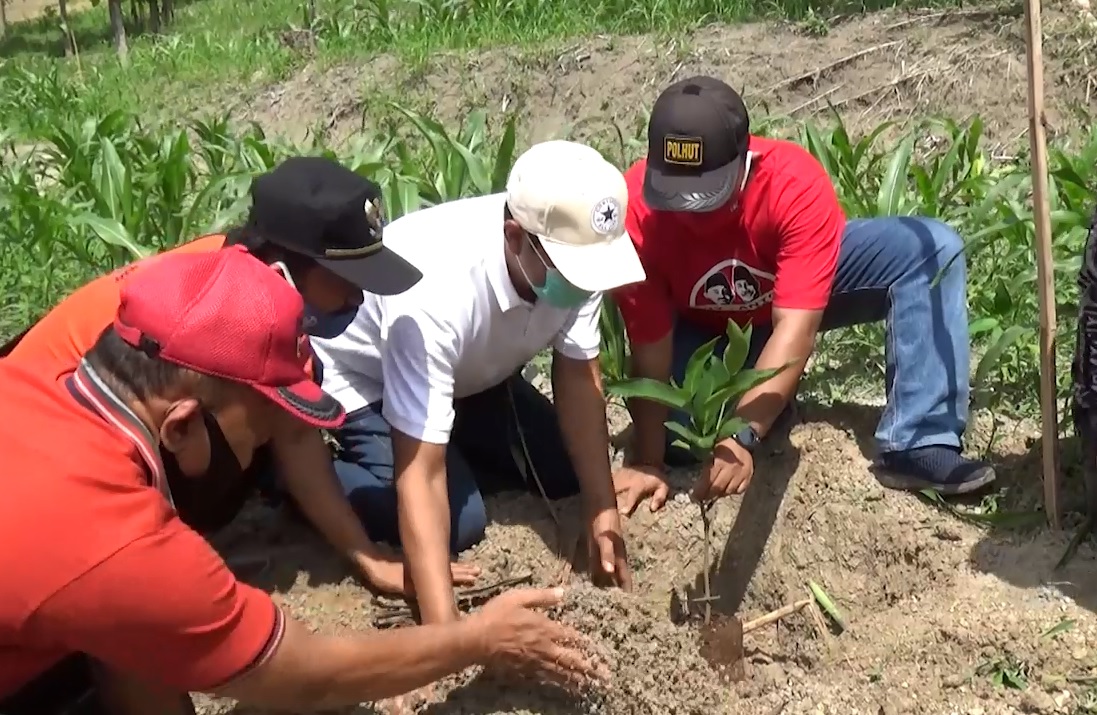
x=747, y=437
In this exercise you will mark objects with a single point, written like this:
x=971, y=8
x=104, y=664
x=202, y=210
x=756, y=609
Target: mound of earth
x=942, y=616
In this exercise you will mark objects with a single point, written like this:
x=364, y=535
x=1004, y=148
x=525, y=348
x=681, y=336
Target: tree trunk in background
x=137, y=18
x=3, y=18
x=66, y=31
x=167, y=11
x=118, y=31
x=154, y=17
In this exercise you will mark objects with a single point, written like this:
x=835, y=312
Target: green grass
x=235, y=44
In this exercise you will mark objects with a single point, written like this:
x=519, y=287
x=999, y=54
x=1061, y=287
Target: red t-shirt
x=94, y=559
x=778, y=247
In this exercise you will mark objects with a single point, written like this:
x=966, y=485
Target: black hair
x=132, y=373
x=267, y=251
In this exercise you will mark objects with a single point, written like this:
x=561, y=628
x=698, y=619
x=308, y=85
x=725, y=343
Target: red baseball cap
x=226, y=314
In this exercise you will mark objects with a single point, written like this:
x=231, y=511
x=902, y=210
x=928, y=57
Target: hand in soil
x=387, y=574
x=727, y=472
x=521, y=640
x=634, y=484
x=608, y=556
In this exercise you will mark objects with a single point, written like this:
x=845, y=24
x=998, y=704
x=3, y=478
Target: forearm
x=309, y=477
x=424, y=519
x=581, y=411
x=319, y=673
x=762, y=405
x=648, y=417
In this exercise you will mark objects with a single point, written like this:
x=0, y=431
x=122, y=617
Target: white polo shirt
x=460, y=330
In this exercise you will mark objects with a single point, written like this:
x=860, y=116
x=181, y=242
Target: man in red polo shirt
x=111, y=604
x=731, y=226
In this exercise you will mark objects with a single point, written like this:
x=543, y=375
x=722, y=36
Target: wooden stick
x=774, y=616
x=1037, y=128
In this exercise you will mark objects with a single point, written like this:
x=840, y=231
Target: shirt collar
x=95, y=394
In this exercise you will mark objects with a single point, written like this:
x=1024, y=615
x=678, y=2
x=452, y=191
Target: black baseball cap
x=697, y=139
x=318, y=208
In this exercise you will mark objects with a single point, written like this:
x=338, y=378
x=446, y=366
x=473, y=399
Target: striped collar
x=90, y=388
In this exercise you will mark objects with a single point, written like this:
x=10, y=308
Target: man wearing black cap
x=319, y=225
x=712, y=205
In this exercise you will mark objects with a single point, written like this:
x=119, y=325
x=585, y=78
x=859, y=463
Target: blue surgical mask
x=316, y=322
x=556, y=291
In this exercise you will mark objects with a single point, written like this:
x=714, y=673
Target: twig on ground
x=393, y=615
x=951, y=14
x=902, y=79
x=774, y=616
x=820, y=71
x=708, y=561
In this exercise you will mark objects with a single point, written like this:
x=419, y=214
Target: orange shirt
x=57, y=342
x=93, y=557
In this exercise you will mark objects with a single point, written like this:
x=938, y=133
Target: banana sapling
x=709, y=396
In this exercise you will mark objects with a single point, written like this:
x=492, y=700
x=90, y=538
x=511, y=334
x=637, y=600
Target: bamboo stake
x=774, y=616
x=1044, y=266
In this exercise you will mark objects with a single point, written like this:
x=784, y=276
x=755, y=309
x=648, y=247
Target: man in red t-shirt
x=111, y=603
x=731, y=226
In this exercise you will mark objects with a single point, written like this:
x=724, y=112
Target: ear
x=182, y=425
x=515, y=236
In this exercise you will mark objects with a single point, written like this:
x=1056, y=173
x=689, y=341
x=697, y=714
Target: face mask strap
x=284, y=270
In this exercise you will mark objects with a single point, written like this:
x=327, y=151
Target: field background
x=918, y=108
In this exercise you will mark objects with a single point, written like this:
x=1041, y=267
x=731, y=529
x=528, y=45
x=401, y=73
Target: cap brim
x=598, y=266
x=702, y=192
x=307, y=402
x=384, y=273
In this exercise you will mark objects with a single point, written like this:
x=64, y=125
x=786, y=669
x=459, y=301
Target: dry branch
x=392, y=615
x=774, y=616
x=820, y=71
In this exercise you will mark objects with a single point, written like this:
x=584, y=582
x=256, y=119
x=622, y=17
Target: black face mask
x=328, y=325
x=209, y=502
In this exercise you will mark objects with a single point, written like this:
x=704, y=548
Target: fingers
x=632, y=498
x=659, y=498
x=464, y=574
x=532, y=597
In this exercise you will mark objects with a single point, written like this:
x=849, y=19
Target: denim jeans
x=885, y=270
x=482, y=457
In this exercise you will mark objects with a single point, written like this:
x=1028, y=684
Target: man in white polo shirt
x=505, y=276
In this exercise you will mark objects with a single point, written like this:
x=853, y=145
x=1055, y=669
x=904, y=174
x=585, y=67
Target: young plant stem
x=708, y=561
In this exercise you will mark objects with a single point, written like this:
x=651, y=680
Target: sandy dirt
x=935, y=607
x=884, y=66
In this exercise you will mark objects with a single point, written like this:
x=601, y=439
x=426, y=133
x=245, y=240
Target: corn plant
x=613, y=355
x=708, y=395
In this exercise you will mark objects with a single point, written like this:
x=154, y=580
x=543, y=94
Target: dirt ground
x=935, y=607
x=943, y=615
x=884, y=66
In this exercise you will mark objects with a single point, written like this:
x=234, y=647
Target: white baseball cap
x=574, y=201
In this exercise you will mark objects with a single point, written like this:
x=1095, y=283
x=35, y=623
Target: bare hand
x=608, y=557
x=634, y=484
x=520, y=639
x=727, y=472
x=388, y=574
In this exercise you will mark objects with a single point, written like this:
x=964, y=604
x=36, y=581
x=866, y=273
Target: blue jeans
x=482, y=457
x=885, y=268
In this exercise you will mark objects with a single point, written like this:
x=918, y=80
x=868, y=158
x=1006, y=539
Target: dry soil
x=939, y=609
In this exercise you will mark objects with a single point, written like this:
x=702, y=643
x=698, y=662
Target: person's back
x=57, y=341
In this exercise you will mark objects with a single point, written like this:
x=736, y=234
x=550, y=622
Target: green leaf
x=731, y=427
x=741, y=384
x=695, y=367
x=994, y=353
x=648, y=389
x=111, y=232
x=735, y=355
x=690, y=437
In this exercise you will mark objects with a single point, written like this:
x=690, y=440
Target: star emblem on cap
x=606, y=216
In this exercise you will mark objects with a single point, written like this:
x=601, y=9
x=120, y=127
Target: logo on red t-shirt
x=732, y=285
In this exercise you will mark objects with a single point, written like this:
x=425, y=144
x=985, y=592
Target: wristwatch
x=748, y=438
